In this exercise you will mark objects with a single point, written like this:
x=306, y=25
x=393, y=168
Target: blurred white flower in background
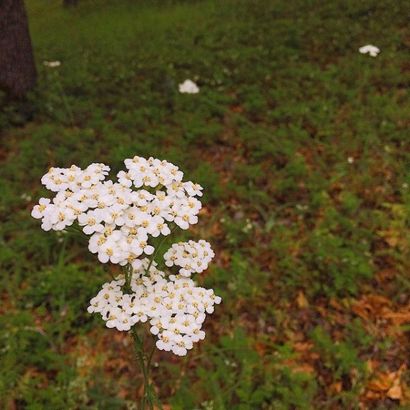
x=188, y=87
x=369, y=49
x=25, y=197
x=52, y=64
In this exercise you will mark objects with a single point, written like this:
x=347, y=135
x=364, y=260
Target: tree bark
x=69, y=3
x=17, y=69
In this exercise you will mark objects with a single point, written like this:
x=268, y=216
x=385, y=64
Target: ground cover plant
x=301, y=144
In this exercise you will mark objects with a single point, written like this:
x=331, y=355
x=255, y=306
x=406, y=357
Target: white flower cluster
x=188, y=87
x=175, y=308
x=190, y=256
x=373, y=51
x=120, y=219
x=148, y=200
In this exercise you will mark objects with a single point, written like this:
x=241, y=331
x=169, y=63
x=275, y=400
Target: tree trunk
x=17, y=70
x=69, y=3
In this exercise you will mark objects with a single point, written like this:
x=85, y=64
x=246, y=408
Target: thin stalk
x=150, y=358
x=155, y=254
x=157, y=249
x=149, y=395
x=75, y=230
x=152, y=394
x=128, y=277
x=145, y=364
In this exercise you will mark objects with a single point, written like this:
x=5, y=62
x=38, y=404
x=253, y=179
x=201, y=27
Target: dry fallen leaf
x=237, y=108
x=371, y=365
x=302, y=346
x=377, y=301
x=398, y=318
x=361, y=309
x=382, y=382
x=260, y=348
x=395, y=392
x=335, y=304
x=301, y=300
x=391, y=237
x=388, y=384
x=372, y=395
x=336, y=387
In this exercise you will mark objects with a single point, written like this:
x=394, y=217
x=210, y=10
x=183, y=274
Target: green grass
x=286, y=99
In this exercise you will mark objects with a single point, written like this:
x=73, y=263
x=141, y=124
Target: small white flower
x=373, y=51
x=192, y=189
x=161, y=228
x=91, y=221
x=52, y=64
x=109, y=252
x=39, y=210
x=188, y=87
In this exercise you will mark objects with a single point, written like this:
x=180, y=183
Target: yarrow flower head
x=373, y=51
x=174, y=307
x=149, y=199
x=188, y=87
x=189, y=256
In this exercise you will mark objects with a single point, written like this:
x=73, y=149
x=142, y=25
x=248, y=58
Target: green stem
x=155, y=254
x=75, y=230
x=128, y=276
x=61, y=256
x=148, y=395
x=150, y=358
x=158, y=248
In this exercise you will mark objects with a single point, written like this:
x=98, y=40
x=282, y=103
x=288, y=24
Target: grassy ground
x=302, y=147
